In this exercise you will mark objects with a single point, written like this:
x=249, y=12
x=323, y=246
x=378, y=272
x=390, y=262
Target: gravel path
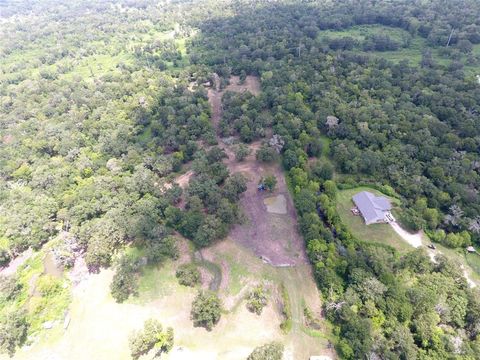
x=413, y=239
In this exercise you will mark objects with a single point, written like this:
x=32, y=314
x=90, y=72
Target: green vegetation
x=269, y=182
x=241, y=152
x=257, y=299
x=151, y=337
x=95, y=121
x=188, y=275
x=379, y=233
x=270, y=351
x=286, y=324
x=206, y=310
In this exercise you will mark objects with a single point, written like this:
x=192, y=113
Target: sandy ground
x=182, y=180
x=16, y=263
x=413, y=239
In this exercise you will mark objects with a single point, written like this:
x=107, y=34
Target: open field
x=411, y=48
x=380, y=233
x=385, y=234
x=99, y=327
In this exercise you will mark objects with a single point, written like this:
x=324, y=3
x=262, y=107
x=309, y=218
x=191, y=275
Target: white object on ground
x=413, y=239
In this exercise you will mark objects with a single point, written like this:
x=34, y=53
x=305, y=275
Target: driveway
x=413, y=239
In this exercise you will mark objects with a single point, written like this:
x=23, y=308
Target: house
x=374, y=209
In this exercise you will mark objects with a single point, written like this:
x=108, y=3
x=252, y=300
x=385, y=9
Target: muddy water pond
x=50, y=267
x=276, y=204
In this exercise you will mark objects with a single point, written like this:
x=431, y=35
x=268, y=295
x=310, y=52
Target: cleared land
x=99, y=327
x=411, y=48
x=270, y=235
x=401, y=239
x=381, y=233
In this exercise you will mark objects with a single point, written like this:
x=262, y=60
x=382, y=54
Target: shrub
x=286, y=324
x=13, y=331
x=125, y=282
x=270, y=182
x=266, y=154
x=257, y=300
x=4, y=257
x=188, y=275
x=241, y=152
x=9, y=288
x=206, y=310
x=270, y=351
x=152, y=336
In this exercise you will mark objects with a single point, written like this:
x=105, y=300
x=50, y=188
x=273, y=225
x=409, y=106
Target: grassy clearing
x=411, y=48
x=361, y=32
x=474, y=261
x=379, y=233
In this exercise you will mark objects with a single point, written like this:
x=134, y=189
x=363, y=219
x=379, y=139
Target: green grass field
x=413, y=52
x=379, y=233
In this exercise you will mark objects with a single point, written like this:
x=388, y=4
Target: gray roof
x=372, y=208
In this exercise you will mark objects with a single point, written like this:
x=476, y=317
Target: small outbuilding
x=374, y=209
x=471, y=249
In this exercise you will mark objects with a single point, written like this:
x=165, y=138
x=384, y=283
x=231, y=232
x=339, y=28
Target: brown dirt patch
x=251, y=84
x=269, y=235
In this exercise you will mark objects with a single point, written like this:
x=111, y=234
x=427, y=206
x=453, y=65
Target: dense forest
x=102, y=114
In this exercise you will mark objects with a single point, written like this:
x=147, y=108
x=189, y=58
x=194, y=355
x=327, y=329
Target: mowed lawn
x=380, y=233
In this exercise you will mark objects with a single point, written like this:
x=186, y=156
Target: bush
x=241, y=152
x=257, y=300
x=9, y=288
x=152, y=336
x=266, y=154
x=206, y=310
x=286, y=324
x=13, y=331
x=4, y=257
x=125, y=282
x=323, y=171
x=48, y=286
x=160, y=249
x=270, y=351
x=188, y=275
x=270, y=182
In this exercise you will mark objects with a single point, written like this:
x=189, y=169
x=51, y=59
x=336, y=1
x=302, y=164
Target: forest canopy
x=102, y=105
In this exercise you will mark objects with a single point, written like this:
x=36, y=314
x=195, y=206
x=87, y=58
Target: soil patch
x=251, y=84
x=276, y=204
x=271, y=235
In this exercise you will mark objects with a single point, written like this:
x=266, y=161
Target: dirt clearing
x=276, y=204
x=251, y=83
x=414, y=240
x=270, y=230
